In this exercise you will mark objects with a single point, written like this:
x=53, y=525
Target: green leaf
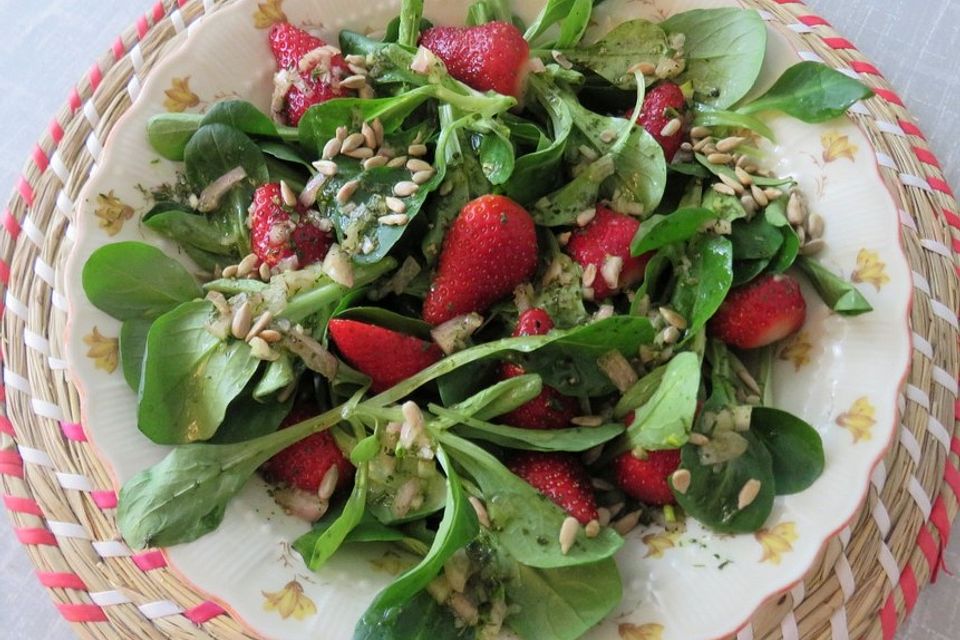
x=193, y=230
x=746, y=270
x=169, y=133
x=640, y=393
x=811, y=92
x=714, y=491
x=702, y=287
x=496, y=157
x=189, y=376
x=664, y=421
x=248, y=418
x=245, y=117
x=573, y=16
x=659, y=230
x=317, y=547
x=562, y=297
x=795, y=448
x=279, y=375
x=458, y=527
x=368, y=529
x=133, y=343
x=385, y=485
x=525, y=522
x=562, y=207
x=628, y=44
x=724, y=49
x=562, y=603
x=411, y=12
x=134, y=280
x=755, y=239
x=419, y=618
x=840, y=295
x=707, y=116
x=761, y=181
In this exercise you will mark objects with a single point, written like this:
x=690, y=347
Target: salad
x=490, y=294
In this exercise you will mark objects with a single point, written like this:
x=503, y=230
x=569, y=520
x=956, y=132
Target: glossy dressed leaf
x=811, y=92
x=562, y=297
x=384, y=487
x=189, y=376
x=795, y=448
x=755, y=239
x=192, y=229
x=553, y=11
x=368, y=529
x=134, y=280
x=746, y=270
x=169, y=133
x=575, y=23
x=714, y=491
x=243, y=116
x=248, y=418
x=317, y=549
x=419, y=618
x=664, y=421
x=133, y=343
x=840, y=295
x=496, y=158
x=525, y=522
x=279, y=375
x=640, y=393
x=660, y=230
x=562, y=207
x=623, y=47
x=702, y=287
x=707, y=116
x=724, y=49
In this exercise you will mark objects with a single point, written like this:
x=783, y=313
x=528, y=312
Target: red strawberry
x=304, y=464
x=646, y=479
x=279, y=232
x=387, y=356
x=760, y=312
x=560, y=477
x=608, y=235
x=319, y=83
x=549, y=410
x=488, y=57
x=662, y=104
x=490, y=248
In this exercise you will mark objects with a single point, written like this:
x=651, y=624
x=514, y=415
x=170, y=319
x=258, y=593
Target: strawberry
x=760, y=312
x=387, y=356
x=304, y=464
x=488, y=57
x=608, y=235
x=561, y=477
x=319, y=82
x=491, y=248
x=549, y=410
x=646, y=479
x=279, y=232
x=662, y=104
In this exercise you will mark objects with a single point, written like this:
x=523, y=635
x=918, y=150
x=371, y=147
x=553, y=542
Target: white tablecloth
x=46, y=45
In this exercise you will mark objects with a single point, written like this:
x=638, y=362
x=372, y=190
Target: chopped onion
x=308, y=197
x=338, y=267
x=451, y=336
x=314, y=355
x=618, y=369
x=210, y=197
x=302, y=504
x=424, y=61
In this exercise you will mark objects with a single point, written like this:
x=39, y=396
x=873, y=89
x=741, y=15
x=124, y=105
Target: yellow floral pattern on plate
x=649, y=631
x=837, y=146
x=289, y=602
x=798, y=350
x=268, y=14
x=859, y=420
x=870, y=269
x=112, y=213
x=777, y=541
x=103, y=351
x=179, y=96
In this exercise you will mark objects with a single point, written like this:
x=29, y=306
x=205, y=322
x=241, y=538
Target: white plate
x=842, y=375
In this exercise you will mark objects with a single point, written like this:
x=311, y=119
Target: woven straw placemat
x=61, y=501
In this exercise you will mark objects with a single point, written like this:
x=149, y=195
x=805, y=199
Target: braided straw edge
x=60, y=497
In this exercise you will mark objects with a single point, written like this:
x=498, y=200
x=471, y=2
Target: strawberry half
x=760, y=312
x=318, y=82
x=488, y=57
x=662, y=104
x=491, y=248
x=549, y=410
x=279, y=232
x=646, y=479
x=387, y=356
x=607, y=236
x=304, y=464
x=562, y=478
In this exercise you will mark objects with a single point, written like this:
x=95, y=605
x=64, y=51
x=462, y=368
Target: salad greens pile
x=219, y=400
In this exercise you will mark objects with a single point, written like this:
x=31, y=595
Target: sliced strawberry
x=662, y=104
x=646, y=479
x=318, y=82
x=488, y=57
x=491, y=248
x=607, y=236
x=387, y=356
x=560, y=477
x=533, y=322
x=304, y=464
x=760, y=312
x=279, y=232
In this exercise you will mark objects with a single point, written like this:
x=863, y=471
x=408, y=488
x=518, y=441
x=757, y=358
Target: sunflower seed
x=749, y=493
x=801, y=234
x=681, y=480
x=700, y=132
x=397, y=162
x=627, y=523
x=353, y=141
x=592, y=454
x=814, y=226
x=481, y=510
x=608, y=135
x=673, y=318
x=265, y=272
x=601, y=485
x=421, y=177
x=702, y=144
x=242, y=319
x=360, y=153
x=729, y=144
x=588, y=153
x=719, y=158
x=347, y=190
x=262, y=323
x=585, y=216
x=341, y=133
x=405, y=188
x=375, y=162
x=589, y=275
x=417, y=150
x=394, y=219
x=745, y=178
x=378, y=131
x=270, y=335
x=287, y=194
x=672, y=127
x=329, y=483
x=698, y=439
x=369, y=135
x=230, y=271
x=741, y=417
x=247, y=265
x=562, y=60
x=366, y=92
x=772, y=193
x=592, y=530
x=719, y=187
x=749, y=204
x=326, y=167
x=405, y=496
x=568, y=533
x=813, y=247
x=748, y=380
x=733, y=184
x=796, y=211
x=354, y=82
x=603, y=516
x=356, y=59
x=395, y=204
x=587, y=421
x=612, y=266
x=331, y=150
x=357, y=69
x=759, y=196
x=416, y=165
x=670, y=335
